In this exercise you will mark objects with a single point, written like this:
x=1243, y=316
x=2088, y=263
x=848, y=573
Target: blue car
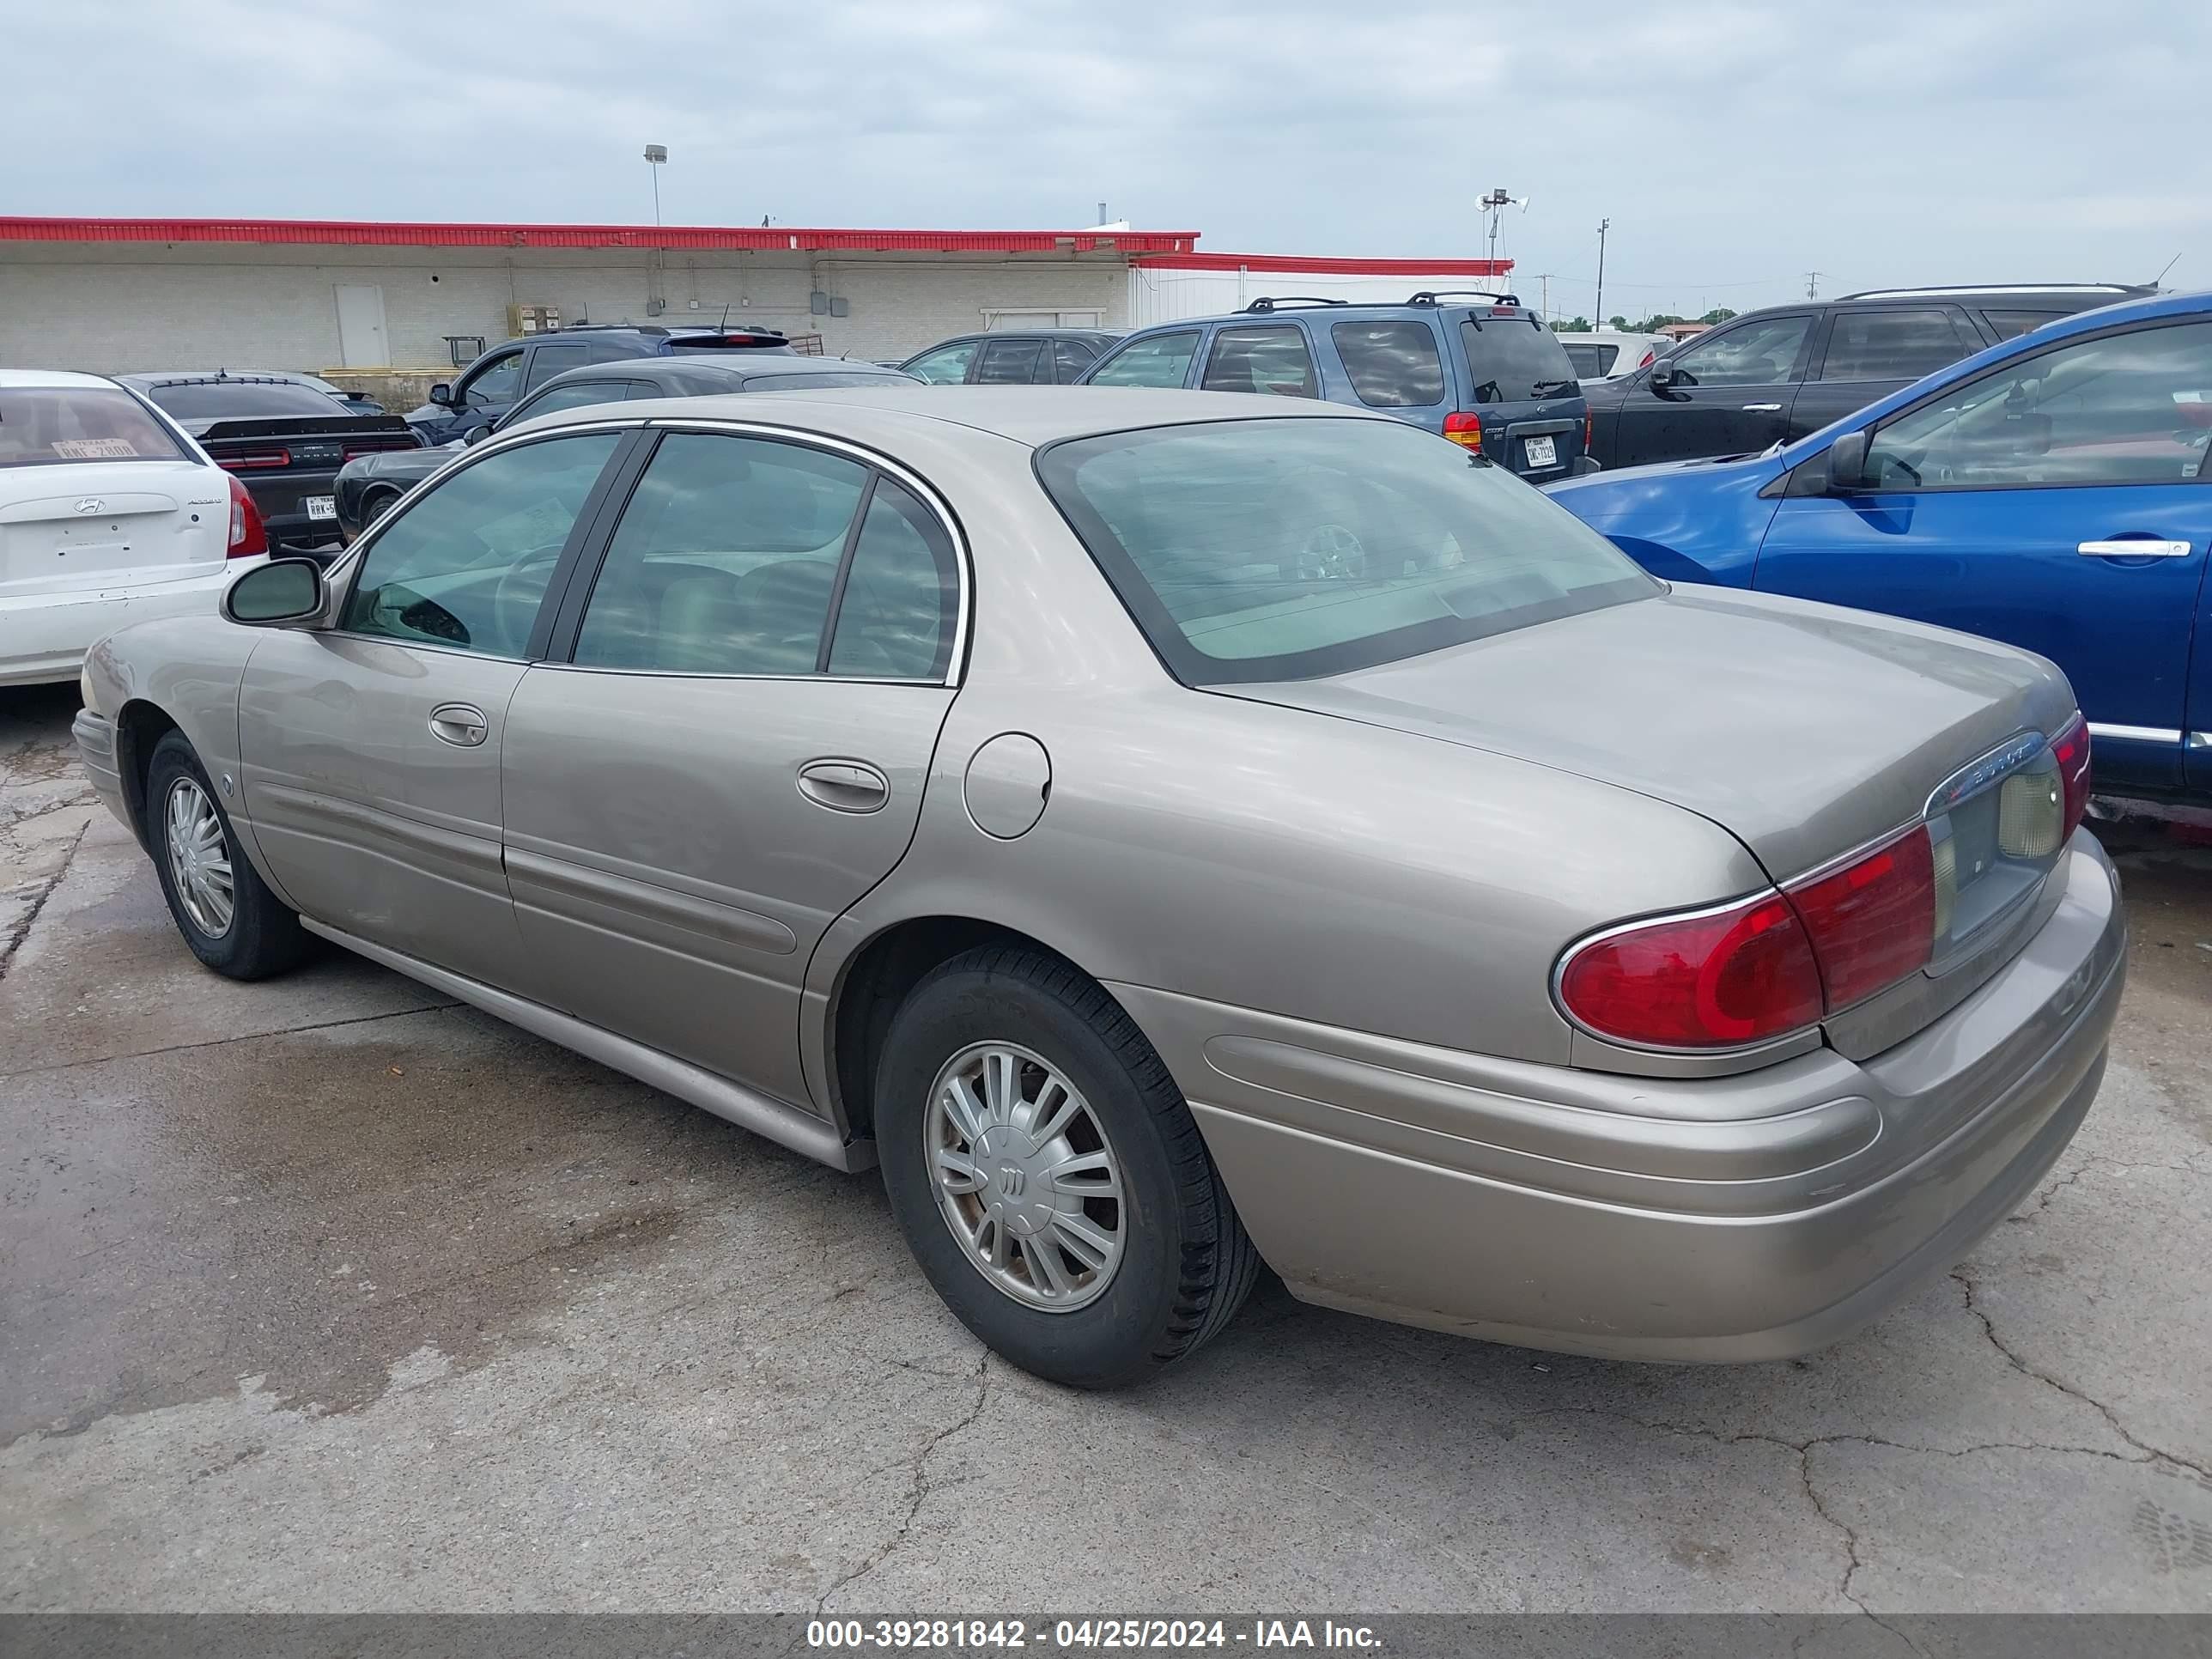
x=2051, y=492
x=1479, y=369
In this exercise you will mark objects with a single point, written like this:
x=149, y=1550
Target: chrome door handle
x=844, y=785
x=2134, y=549
x=1765, y=409
x=459, y=723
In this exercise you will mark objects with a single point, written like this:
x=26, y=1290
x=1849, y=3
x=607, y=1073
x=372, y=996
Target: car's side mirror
x=1662, y=376
x=476, y=434
x=1847, y=462
x=284, y=592
x=442, y=394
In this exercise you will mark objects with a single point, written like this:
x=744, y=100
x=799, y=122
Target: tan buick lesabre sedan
x=1171, y=832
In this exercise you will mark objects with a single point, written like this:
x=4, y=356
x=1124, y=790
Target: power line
x=1811, y=284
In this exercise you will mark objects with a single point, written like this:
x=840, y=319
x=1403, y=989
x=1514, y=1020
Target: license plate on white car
x=326, y=507
x=1543, y=451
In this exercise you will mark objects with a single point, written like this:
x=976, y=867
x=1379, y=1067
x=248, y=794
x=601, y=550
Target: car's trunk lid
x=63, y=528
x=1806, y=730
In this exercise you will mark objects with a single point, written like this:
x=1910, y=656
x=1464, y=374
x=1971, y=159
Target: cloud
x=1735, y=147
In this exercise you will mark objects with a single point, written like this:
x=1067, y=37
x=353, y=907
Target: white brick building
x=115, y=295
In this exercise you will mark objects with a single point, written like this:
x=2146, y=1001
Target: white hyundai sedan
x=109, y=513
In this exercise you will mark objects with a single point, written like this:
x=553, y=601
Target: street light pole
x=656, y=156
x=1603, y=226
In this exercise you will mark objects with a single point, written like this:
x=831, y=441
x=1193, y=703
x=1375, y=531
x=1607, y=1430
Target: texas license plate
x=326, y=507
x=1543, y=451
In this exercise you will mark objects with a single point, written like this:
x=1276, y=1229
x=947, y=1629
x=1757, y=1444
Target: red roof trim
x=352, y=233
x=1293, y=262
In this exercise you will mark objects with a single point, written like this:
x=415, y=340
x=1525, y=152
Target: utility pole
x=1544, y=305
x=656, y=298
x=1813, y=284
x=1603, y=226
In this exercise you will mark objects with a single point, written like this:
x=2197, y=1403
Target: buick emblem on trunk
x=91, y=504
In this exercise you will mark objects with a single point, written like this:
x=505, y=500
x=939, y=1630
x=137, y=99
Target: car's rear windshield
x=1513, y=360
x=1274, y=549
x=242, y=400
x=827, y=378
x=55, y=426
x=1592, y=362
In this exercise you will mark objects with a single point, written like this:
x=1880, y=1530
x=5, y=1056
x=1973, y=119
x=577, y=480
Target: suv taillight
x=2071, y=749
x=248, y=535
x=1465, y=430
x=1771, y=964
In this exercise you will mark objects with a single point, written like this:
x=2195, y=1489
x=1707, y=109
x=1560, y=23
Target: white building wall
x=1162, y=294
x=117, y=306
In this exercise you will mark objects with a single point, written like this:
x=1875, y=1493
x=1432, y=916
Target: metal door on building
x=361, y=340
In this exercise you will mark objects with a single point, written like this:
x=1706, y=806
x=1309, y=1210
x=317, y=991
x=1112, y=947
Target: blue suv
x=2052, y=492
x=1476, y=367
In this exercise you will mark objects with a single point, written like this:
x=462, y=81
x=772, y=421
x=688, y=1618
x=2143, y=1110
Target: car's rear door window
x=947, y=364
x=1392, y=365
x=901, y=595
x=1073, y=357
x=2009, y=324
x=1898, y=344
x=1162, y=360
x=1512, y=360
x=1010, y=362
x=1290, y=549
x=725, y=559
x=465, y=563
x=58, y=426
x=1592, y=362
x=1271, y=358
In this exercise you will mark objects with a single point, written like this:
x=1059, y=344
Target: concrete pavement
x=324, y=1294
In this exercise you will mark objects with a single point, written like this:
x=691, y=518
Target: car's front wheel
x=1048, y=1173
x=229, y=916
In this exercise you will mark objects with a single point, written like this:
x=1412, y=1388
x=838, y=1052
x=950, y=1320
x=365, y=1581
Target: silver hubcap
x=199, y=862
x=1024, y=1176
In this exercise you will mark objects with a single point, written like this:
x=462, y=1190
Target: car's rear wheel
x=1048, y=1173
x=376, y=504
x=226, y=912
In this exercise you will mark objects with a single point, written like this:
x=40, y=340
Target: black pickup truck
x=284, y=441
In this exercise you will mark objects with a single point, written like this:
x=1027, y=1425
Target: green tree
x=1619, y=325
x=1717, y=315
x=1572, y=325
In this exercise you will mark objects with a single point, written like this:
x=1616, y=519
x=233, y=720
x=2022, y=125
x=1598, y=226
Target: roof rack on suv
x=1999, y=287
x=1277, y=302
x=1429, y=297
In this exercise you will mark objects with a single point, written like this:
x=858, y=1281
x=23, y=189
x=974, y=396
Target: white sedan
x=109, y=513
x=1606, y=355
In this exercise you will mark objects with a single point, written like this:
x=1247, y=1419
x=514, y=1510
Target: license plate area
x=320, y=506
x=1993, y=844
x=1542, y=451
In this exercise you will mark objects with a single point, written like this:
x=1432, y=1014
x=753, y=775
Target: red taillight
x=1649, y=354
x=1873, y=922
x=1589, y=430
x=258, y=460
x=1774, y=963
x=248, y=535
x=1704, y=981
x=1465, y=430
x=2071, y=749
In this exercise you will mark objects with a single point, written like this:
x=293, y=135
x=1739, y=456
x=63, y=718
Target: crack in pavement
x=919, y=1489
x=22, y=930
x=2150, y=1453
x=224, y=1042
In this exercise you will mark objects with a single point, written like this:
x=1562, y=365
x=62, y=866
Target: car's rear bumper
x=43, y=636
x=1728, y=1218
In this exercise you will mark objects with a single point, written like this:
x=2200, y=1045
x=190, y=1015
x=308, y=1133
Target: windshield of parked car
x=54, y=425
x=202, y=400
x=1274, y=549
x=1513, y=359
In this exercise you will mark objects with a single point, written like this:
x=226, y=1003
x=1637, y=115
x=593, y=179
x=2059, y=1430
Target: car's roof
x=52, y=378
x=736, y=367
x=1030, y=415
x=1016, y=334
x=214, y=377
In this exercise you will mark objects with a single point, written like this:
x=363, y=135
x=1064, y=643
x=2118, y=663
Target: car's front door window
x=2132, y=408
x=1010, y=362
x=1156, y=360
x=494, y=384
x=577, y=394
x=1764, y=353
x=946, y=366
x=465, y=565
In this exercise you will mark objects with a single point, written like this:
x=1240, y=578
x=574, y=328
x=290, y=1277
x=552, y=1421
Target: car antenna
x=2170, y=265
x=722, y=326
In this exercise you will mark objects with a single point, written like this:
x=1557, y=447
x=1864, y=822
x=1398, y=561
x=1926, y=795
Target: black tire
x=1187, y=1264
x=264, y=937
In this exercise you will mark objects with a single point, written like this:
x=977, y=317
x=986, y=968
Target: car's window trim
x=571, y=547
x=559, y=648
x=2138, y=326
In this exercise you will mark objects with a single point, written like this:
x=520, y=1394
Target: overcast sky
x=1735, y=147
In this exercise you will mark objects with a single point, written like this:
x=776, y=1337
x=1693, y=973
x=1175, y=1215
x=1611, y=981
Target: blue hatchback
x=1480, y=370
x=2051, y=492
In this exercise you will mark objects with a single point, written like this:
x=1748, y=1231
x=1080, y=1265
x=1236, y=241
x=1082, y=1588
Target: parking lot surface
x=326, y=1294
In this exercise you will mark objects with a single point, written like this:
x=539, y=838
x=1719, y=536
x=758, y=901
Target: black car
x=1029, y=356
x=368, y=489
x=284, y=441
x=513, y=369
x=1775, y=375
